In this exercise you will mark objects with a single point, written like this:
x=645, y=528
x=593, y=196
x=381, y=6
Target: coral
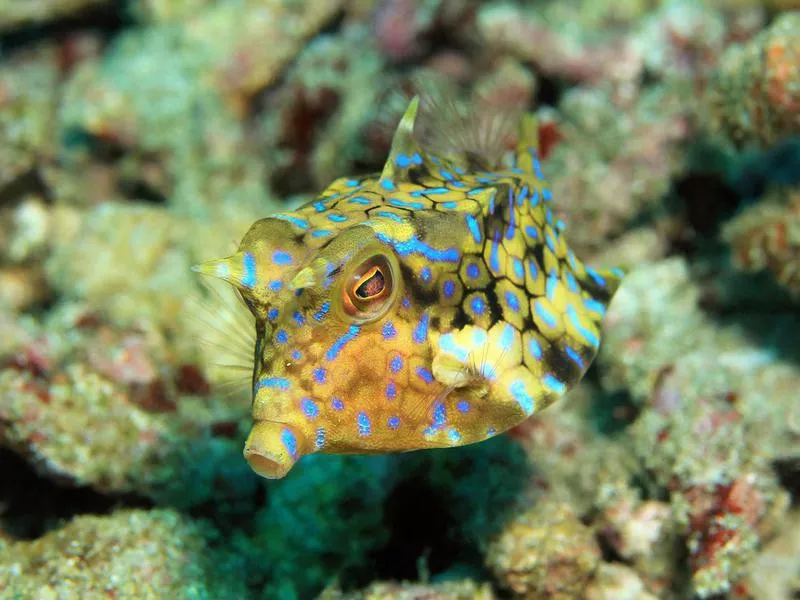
x=14, y=14
x=754, y=94
x=545, y=552
x=449, y=590
x=613, y=161
x=27, y=111
x=767, y=236
x=617, y=582
x=711, y=422
x=129, y=554
x=101, y=407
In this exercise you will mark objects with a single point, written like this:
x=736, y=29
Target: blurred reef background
x=139, y=137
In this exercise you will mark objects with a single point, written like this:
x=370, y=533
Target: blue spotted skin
x=489, y=316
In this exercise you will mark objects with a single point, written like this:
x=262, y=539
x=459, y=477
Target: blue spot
x=617, y=271
x=551, y=285
x=571, y=283
x=550, y=241
x=425, y=274
x=516, y=265
x=491, y=431
x=300, y=223
x=320, y=374
x=415, y=246
x=494, y=258
x=535, y=348
x=439, y=415
x=462, y=406
x=507, y=338
x=522, y=196
x=553, y=384
x=337, y=218
x=389, y=215
x=396, y=364
x=433, y=190
x=389, y=332
x=248, y=280
x=478, y=305
x=320, y=233
x=421, y=330
x=533, y=270
x=547, y=195
x=571, y=260
x=589, y=335
x=574, y=356
x=352, y=182
x=416, y=158
x=319, y=442
x=546, y=316
x=289, y=441
x=393, y=422
x=309, y=408
x=282, y=258
x=336, y=347
x=323, y=310
x=387, y=184
x=446, y=175
x=299, y=318
x=391, y=391
x=425, y=374
x=358, y=200
x=449, y=205
x=279, y=383
x=320, y=206
x=275, y=285
x=403, y=204
x=594, y=306
x=402, y=161
x=474, y=228
x=473, y=271
x=272, y=313
x=296, y=355
x=512, y=301
x=281, y=336
x=454, y=436
x=337, y=404
x=449, y=288
x=364, y=425
x=522, y=396
x=534, y=199
x=447, y=344
x=406, y=302
x=598, y=279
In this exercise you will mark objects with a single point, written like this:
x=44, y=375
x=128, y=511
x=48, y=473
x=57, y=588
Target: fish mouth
x=272, y=449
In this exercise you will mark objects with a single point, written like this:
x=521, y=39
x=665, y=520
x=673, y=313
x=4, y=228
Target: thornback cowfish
x=433, y=305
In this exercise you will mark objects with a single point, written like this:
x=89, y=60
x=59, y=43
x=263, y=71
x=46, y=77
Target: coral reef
x=141, y=137
x=753, y=94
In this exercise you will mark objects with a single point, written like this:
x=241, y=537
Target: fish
x=432, y=305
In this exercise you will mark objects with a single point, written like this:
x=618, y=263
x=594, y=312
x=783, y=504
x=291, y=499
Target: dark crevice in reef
x=31, y=505
x=788, y=471
x=106, y=19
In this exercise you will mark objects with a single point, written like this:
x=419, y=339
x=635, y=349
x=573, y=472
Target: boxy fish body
x=434, y=305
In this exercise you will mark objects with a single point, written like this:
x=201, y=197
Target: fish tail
x=602, y=284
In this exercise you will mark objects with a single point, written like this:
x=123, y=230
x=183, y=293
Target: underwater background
x=141, y=137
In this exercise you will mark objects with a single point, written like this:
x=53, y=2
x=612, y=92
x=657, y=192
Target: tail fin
x=602, y=284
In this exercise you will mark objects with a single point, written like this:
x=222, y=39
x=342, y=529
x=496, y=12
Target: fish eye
x=368, y=292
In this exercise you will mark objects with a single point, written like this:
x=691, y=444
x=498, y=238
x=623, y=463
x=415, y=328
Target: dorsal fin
x=527, y=150
x=405, y=153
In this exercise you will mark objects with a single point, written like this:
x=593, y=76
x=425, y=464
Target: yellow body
x=480, y=314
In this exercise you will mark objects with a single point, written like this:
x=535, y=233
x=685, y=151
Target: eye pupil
x=372, y=286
